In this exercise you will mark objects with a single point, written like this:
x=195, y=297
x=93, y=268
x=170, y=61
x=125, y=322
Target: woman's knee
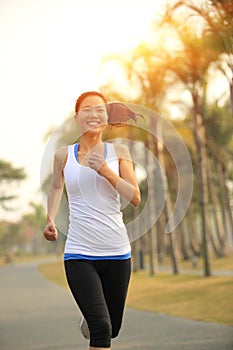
x=101, y=333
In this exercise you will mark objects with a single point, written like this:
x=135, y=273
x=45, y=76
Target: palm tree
x=215, y=36
x=152, y=71
x=219, y=145
x=216, y=21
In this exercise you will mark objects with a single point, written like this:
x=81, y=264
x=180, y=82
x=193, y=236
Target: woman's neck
x=87, y=142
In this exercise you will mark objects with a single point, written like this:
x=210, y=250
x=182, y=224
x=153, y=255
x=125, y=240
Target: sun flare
x=51, y=52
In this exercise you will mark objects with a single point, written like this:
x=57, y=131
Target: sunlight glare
x=51, y=52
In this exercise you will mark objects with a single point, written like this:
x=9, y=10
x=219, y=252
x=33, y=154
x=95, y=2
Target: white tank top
x=96, y=227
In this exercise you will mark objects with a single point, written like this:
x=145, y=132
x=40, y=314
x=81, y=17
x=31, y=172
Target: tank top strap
x=110, y=152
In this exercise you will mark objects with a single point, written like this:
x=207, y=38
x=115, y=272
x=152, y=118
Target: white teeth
x=93, y=123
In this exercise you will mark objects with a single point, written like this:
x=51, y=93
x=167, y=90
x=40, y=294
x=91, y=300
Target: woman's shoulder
x=60, y=152
x=60, y=155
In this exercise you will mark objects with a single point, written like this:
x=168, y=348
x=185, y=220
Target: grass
x=54, y=272
x=217, y=264
x=194, y=297
x=18, y=259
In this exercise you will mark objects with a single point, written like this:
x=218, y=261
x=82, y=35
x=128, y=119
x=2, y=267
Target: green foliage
x=179, y=75
x=37, y=217
x=9, y=236
x=25, y=236
x=219, y=126
x=8, y=174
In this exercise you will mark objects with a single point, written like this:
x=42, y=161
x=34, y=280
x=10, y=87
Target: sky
x=51, y=52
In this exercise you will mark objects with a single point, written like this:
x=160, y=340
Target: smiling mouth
x=92, y=123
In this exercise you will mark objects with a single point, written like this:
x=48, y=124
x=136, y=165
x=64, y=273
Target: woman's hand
x=50, y=232
x=96, y=161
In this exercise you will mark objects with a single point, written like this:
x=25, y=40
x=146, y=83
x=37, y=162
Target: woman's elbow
x=136, y=200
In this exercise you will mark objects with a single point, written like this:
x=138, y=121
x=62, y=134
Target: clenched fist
x=96, y=161
x=50, y=232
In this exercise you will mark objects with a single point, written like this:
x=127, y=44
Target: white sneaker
x=84, y=328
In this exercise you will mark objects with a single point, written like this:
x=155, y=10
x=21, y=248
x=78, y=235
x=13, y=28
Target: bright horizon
x=50, y=53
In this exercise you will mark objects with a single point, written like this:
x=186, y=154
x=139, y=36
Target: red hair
x=86, y=94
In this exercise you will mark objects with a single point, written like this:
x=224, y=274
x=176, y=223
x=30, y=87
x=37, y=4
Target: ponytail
x=119, y=114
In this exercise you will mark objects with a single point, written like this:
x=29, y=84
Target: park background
x=176, y=59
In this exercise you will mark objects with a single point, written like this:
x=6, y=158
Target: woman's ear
x=76, y=116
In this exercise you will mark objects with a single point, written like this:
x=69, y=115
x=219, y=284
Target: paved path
x=35, y=314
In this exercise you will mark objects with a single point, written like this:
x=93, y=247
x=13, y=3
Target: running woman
x=97, y=254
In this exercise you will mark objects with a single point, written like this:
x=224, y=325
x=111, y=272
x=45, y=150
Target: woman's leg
x=115, y=280
x=86, y=287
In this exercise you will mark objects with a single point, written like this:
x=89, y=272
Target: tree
x=152, y=71
x=8, y=175
x=216, y=22
x=210, y=44
x=32, y=225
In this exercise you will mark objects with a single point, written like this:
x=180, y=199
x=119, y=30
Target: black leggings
x=100, y=288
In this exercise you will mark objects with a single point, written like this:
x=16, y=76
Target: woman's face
x=92, y=115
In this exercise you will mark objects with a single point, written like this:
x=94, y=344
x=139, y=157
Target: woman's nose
x=93, y=113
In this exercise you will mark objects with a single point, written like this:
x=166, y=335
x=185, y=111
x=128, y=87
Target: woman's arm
x=55, y=193
x=126, y=183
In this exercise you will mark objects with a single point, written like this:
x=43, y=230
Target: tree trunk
x=135, y=254
x=194, y=240
x=161, y=244
x=173, y=249
x=185, y=251
x=215, y=208
x=231, y=92
x=152, y=231
x=172, y=236
x=226, y=209
x=199, y=137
